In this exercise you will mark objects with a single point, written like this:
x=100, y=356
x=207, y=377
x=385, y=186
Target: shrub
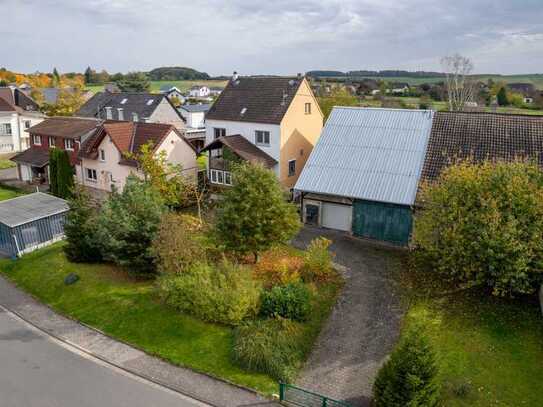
x=80, y=229
x=482, y=225
x=408, y=378
x=179, y=243
x=127, y=225
x=278, y=266
x=292, y=301
x=226, y=294
x=317, y=261
x=254, y=214
x=269, y=346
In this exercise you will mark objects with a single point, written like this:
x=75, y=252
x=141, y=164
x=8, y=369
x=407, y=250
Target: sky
x=270, y=37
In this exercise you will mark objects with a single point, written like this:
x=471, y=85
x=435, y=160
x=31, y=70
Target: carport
x=31, y=221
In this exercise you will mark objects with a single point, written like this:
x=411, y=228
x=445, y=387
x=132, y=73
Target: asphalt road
x=39, y=371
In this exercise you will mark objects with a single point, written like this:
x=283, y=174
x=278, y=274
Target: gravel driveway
x=364, y=324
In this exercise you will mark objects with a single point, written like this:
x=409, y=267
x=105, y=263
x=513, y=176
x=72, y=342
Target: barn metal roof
x=28, y=208
x=369, y=153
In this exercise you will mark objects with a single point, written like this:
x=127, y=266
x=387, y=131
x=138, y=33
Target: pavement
x=40, y=371
x=62, y=372
x=363, y=326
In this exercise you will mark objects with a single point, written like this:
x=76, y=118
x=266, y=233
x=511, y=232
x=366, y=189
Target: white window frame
x=93, y=173
x=134, y=117
x=213, y=176
x=109, y=113
x=53, y=140
x=102, y=154
x=293, y=173
x=263, y=133
x=220, y=130
x=36, y=139
x=120, y=113
x=220, y=177
x=67, y=145
x=227, y=178
x=6, y=129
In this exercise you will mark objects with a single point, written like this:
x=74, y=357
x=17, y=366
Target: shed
x=31, y=221
x=363, y=174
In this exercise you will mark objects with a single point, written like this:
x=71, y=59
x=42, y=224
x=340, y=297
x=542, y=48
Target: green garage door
x=382, y=221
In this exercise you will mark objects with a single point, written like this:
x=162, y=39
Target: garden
x=218, y=290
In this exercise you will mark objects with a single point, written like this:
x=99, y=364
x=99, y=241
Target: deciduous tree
x=460, y=85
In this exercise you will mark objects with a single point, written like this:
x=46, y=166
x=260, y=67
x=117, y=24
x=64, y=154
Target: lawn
x=8, y=193
x=183, y=86
x=106, y=298
x=6, y=164
x=490, y=350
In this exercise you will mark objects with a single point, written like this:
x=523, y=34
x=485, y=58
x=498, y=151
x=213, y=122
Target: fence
x=297, y=396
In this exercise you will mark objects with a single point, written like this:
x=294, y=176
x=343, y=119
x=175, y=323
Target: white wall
x=19, y=139
x=166, y=113
x=194, y=119
x=247, y=130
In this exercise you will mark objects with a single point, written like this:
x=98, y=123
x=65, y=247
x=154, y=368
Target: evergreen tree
x=89, y=73
x=55, y=82
x=254, y=214
x=80, y=230
x=53, y=183
x=65, y=175
x=408, y=378
x=134, y=82
x=502, y=97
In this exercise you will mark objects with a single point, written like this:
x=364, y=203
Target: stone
x=71, y=278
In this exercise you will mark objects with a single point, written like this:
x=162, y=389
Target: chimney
x=299, y=75
x=235, y=76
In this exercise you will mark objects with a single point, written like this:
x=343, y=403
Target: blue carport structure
x=31, y=221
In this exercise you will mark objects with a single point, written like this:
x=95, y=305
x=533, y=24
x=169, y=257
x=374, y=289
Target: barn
x=363, y=174
x=29, y=222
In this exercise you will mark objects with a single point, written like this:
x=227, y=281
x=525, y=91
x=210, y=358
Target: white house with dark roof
x=136, y=107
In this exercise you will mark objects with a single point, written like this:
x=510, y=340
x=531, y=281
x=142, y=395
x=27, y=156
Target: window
x=308, y=108
x=218, y=132
x=68, y=144
x=292, y=168
x=27, y=124
x=262, y=138
x=5, y=129
x=109, y=115
x=51, y=141
x=134, y=117
x=213, y=174
x=220, y=177
x=91, y=174
x=227, y=178
x=102, y=155
x=120, y=113
x=36, y=140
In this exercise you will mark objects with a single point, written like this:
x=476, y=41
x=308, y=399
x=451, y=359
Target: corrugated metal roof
x=368, y=153
x=27, y=208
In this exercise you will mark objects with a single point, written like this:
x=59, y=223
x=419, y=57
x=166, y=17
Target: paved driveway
x=363, y=326
x=37, y=371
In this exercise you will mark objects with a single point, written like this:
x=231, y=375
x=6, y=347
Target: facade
x=104, y=162
x=65, y=133
x=195, y=115
x=31, y=221
x=136, y=107
x=278, y=116
x=199, y=91
x=18, y=112
x=172, y=92
x=363, y=175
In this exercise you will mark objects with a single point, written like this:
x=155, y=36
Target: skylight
x=150, y=102
x=124, y=101
x=243, y=111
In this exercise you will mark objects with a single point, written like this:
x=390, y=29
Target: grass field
x=8, y=193
x=490, y=350
x=183, y=86
x=108, y=299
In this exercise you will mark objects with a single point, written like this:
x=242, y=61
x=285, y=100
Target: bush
x=127, y=225
x=482, y=225
x=278, y=266
x=317, y=261
x=80, y=229
x=292, y=301
x=226, y=294
x=408, y=378
x=269, y=346
x=179, y=243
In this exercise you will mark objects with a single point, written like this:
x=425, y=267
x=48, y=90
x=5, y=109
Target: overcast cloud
x=270, y=37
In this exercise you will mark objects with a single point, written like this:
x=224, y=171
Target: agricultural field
x=183, y=86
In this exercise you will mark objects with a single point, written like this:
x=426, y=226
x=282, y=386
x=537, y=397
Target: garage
x=382, y=221
x=335, y=216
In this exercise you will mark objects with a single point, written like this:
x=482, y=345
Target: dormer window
x=109, y=115
x=120, y=113
x=134, y=117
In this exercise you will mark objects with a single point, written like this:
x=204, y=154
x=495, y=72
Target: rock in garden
x=71, y=278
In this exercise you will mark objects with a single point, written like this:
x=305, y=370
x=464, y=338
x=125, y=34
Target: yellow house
x=272, y=120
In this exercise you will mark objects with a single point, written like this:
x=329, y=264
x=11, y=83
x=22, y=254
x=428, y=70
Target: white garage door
x=336, y=216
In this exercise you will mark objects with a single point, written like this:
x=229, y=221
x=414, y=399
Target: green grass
x=109, y=300
x=183, y=86
x=6, y=164
x=8, y=193
x=493, y=345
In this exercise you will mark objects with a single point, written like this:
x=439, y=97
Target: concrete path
x=364, y=324
x=90, y=341
x=39, y=371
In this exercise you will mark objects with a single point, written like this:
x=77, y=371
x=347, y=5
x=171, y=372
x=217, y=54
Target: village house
x=18, y=112
x=527, y=90
x=105, y=158
x=172, y=92
x=65, y=133
x=199, y=91
x=194, y=116
x=136, y=107
x=364, y=175
x=275, y=121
